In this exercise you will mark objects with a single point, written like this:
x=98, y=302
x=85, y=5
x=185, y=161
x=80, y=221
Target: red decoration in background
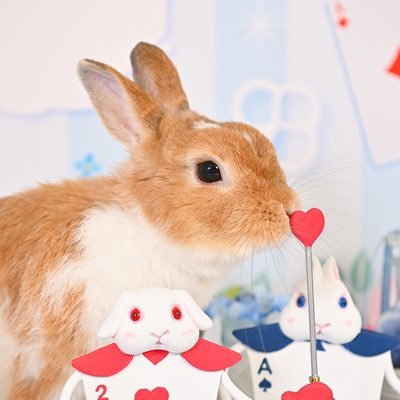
x=395, y=66
x=159, y=393
x=341, y=15
x=313, y=391
x=307, y=226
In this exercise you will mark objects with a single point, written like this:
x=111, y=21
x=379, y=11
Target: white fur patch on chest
x=122, y=252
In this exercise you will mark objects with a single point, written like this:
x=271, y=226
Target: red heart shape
x=156, y=356
x=312, y=391
x=307, y=226
x=159, y=393
x=290, y=396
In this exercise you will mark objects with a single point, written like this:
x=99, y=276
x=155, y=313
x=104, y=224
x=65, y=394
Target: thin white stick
x=311, y=315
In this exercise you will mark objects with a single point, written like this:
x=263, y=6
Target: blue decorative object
x=88, y=166
x=237, y=307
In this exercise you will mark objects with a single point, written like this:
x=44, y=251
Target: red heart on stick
x=312, y=391
x=307, y=226
x=159, y=393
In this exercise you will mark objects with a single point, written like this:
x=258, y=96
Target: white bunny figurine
x=157, y=354
x=352, y=361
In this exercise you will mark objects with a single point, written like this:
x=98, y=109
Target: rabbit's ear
x=127, y=112
x=114, y=319
x=331, y=270
x=199, y=317
x=157, y=75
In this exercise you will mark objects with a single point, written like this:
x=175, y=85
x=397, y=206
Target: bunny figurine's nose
x=159, y=336
x=320, y=327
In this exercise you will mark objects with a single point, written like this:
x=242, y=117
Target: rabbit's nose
x=292, y=205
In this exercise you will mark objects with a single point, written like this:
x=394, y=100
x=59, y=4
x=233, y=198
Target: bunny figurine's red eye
x=136, y=315
x=177, y=313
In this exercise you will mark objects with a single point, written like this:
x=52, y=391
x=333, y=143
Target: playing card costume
x=157, y=354
x=194, y=374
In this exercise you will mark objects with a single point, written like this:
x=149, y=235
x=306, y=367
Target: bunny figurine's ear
x=331, y=270
x=199, y=317
x=114, y=319
x=126, y=110
x=317, y=268
x=155, y=73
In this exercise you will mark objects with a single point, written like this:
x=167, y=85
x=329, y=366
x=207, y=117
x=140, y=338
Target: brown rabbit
x=195, y=197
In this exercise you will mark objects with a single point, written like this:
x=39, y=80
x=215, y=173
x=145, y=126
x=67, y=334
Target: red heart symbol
x=290, y=396
x=307, y=226
x=159, y=393
x=312, y=391
x=156, y=356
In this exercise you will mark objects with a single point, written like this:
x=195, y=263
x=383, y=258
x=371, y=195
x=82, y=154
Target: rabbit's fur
x=67, y=250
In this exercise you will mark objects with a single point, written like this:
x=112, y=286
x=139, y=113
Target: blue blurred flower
x=238, y=307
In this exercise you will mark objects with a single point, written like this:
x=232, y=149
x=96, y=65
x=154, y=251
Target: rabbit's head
x=215, y=187
x=337, y=319
x=155, y=319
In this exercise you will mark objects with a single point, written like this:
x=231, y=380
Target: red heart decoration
x=312, y=391
x=156, y=356
x=159, y=393
x=307, y=226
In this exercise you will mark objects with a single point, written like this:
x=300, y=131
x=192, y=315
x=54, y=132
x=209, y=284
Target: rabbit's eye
x=342, y=302
x=301, y=301
x=209, y=172
x=177, y=313
x=136, y=315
